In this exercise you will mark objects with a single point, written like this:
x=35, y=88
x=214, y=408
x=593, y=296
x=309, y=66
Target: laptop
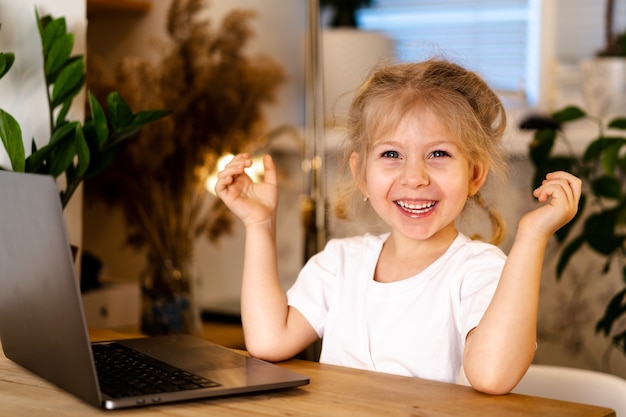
x=43, y=327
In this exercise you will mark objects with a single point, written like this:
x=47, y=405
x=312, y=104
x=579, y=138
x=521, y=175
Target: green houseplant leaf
x=98, y=121
x=614, y=310
x=59, y=53
x=11, y=135
x=49, y=30
x=568, y=114
x=618, y=123
x=541, y=145
x=74, y=150
x=70, y=81
x=607, y=186
x=6, y=62
x=611, y=154
x=121, y=115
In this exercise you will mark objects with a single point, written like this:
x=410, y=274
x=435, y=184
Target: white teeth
x=416, y=207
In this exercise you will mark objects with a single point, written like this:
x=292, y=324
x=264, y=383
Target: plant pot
x=348, y=57
x=604, y=86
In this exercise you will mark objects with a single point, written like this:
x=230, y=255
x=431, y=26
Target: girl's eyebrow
x=385, y=143
x=429, y=143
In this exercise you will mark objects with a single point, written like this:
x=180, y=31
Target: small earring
x=365, y=198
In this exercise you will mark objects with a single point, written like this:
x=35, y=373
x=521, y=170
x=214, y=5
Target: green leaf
x=62, y=131
x=69, y=82
x=71, y=175
x=541, y=145
x=120, y=114
x=54, y=158
x=599, y=232
x=11, y=135
x=618, y=123
x=99, y=120
x=144, y=117
x=62, y=116
x=43, y=21
x=607, y=186
x=568, y=114
x=550, y=165
x=620, y=217
x=621, y=163
x=568, y=251
x=36, y=160
x=62, y=155
x=6, y=62
x=614, y=310
x=594, y=149
x=138, y=121
x=60, y=51
x=619, y=340
x=610, y=155
x=50, y=30
x=82, y=151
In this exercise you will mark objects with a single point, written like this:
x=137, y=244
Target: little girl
x=422, y=299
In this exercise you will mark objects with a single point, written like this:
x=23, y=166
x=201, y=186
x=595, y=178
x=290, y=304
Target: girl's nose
x=415, y=175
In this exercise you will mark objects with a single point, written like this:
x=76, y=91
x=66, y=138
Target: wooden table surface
x=333, y=391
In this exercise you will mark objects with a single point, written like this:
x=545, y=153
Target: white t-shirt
x=413, y=327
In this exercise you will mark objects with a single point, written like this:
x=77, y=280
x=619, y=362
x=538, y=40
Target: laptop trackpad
x=189, y=352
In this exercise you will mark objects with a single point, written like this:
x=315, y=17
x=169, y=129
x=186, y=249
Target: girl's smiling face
x=417, y=178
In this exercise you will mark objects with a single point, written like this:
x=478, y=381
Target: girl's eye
x=439, y=154
x=390, y=154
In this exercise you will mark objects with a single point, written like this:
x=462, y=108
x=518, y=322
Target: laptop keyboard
x=125, y=372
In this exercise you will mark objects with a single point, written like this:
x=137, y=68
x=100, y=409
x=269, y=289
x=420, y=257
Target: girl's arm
x=273, y=331
x=501, y=348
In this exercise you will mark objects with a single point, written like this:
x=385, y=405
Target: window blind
x=490, y=37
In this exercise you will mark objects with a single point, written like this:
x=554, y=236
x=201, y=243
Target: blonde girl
x=422, y=299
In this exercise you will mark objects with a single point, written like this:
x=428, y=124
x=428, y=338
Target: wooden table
x=333, y=391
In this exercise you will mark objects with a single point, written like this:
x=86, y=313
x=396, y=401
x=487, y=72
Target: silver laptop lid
x=41, y=328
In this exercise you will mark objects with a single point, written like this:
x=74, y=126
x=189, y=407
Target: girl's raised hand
x=251, y=202
x=561, y=193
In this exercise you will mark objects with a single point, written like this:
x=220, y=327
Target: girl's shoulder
x=470, y=249
x=352, y=248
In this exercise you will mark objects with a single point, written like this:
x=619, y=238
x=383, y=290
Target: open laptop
x=43, y=327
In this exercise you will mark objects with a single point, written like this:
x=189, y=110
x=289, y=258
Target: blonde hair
x=459, y=98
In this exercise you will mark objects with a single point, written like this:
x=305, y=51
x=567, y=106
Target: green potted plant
x=75, y=150
x=602, y=211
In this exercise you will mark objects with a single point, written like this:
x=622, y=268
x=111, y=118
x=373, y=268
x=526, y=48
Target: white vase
x=348, y=56
x=604, y=86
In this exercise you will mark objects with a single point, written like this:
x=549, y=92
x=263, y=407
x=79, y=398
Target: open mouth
x=415, y=208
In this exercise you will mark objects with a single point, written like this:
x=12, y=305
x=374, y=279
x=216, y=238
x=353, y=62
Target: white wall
x=22, y=90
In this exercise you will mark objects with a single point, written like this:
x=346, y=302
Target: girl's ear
x=358, y=171
x=479, y=176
